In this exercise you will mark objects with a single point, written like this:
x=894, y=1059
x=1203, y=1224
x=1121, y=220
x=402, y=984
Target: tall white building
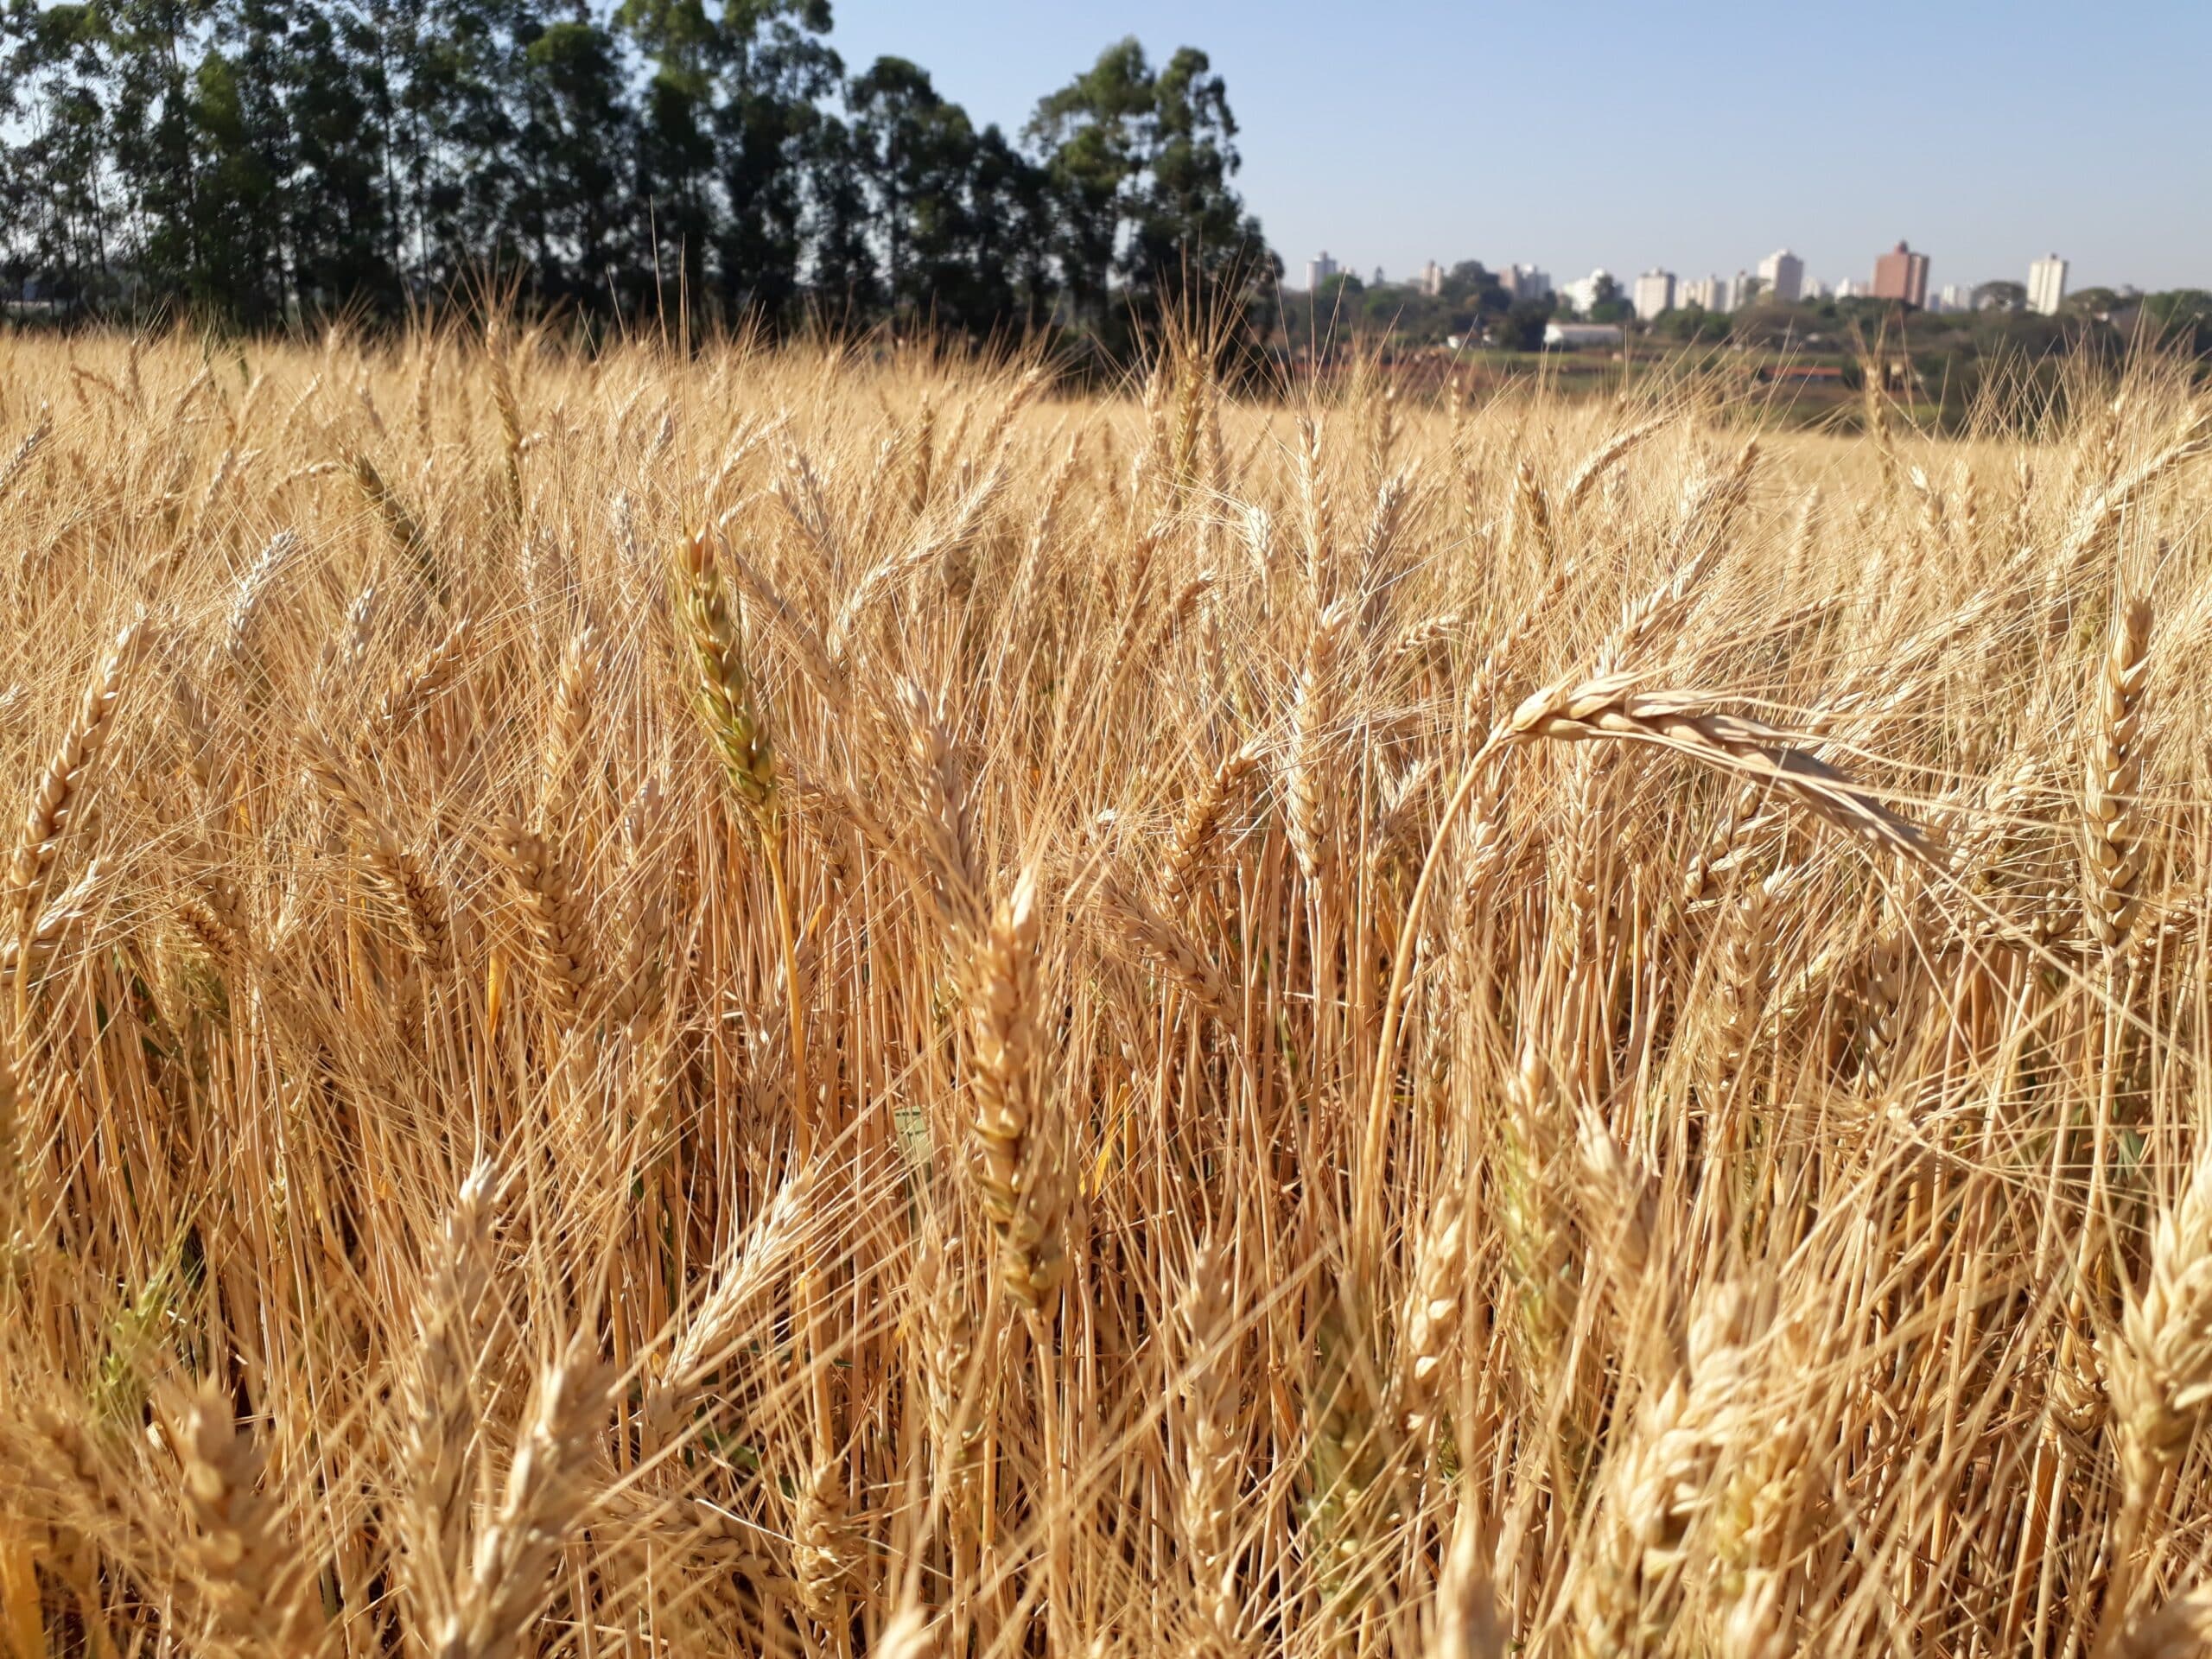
x=1955, y=296
x=1583, y=290
x=1815, y=290
x=1655, y=292
x=1783, y=273
x=1743, y=289
x=1526, y=281
x=1707, y=293
x=1850, y=288
x=2046, y=285
x=1432, y=279
x=1319, y=270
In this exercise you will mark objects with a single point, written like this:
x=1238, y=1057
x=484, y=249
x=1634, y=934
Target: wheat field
x=830, y=1001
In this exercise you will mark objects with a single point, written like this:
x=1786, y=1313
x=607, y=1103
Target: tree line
x=265, y=162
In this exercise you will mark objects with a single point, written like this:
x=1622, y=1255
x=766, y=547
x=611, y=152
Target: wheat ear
x=1532, y=515
x=1430, y=1317
x=253, y=591
x=1204, y=1405
x=507, y=1581
x=1604, y=458
x=556, y=913
x=2160, y=1370
x=1016, y=1164
x=1200, y=826
x=61, y=785
x=19, y=462
x=1310, y=787
x=392, y=866
x=2111, y=816
x=750, y=1266
x=724, y=684
x=414, y=690
x=439, y=1393
x=1610, y=708
x=253, y=1580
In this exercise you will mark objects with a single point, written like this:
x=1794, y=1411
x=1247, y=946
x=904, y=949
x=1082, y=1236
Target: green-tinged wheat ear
x=401, y=525
x=1351, y=1442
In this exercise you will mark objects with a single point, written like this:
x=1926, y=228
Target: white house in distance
x=1655, y=292
x=1783, y=273
x=1578, y=336
x=2046, y=285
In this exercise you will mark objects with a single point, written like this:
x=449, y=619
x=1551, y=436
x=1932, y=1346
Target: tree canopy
x=269, y=162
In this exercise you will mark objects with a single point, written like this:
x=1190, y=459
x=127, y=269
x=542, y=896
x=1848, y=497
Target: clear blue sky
x=1698, y=135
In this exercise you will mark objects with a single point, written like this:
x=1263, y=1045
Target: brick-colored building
x=1902, y=275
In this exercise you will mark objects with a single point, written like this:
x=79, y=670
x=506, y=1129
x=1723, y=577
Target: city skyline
x=1511, y=131
x=1781, y=274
